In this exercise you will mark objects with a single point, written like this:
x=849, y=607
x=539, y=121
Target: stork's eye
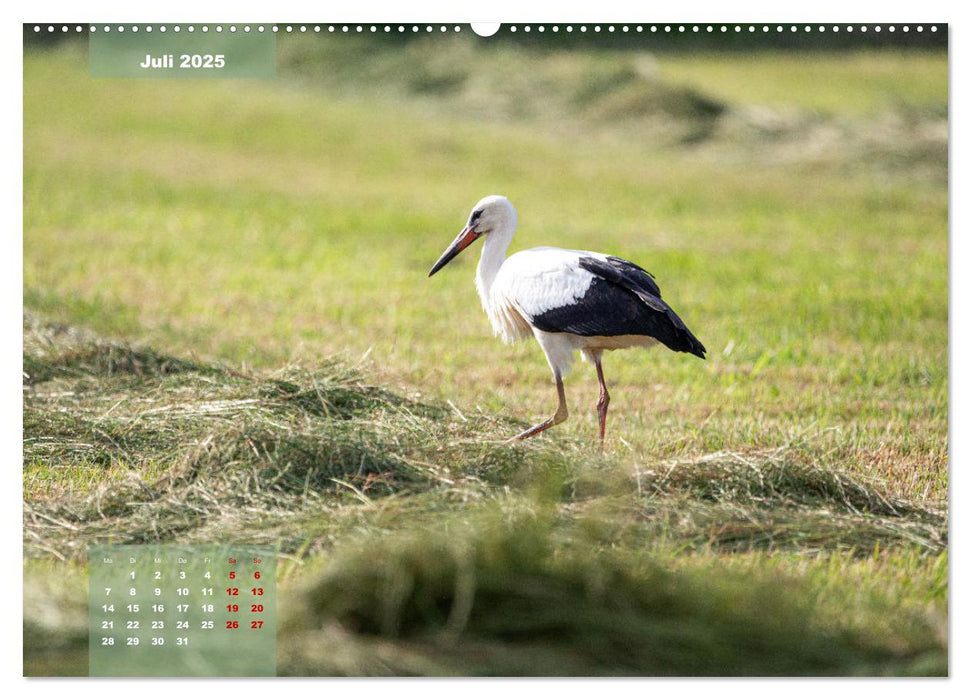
x=475, y=216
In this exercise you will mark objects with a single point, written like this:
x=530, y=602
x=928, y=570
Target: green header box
x=182, y=54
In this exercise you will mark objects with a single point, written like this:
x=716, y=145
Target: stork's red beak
x=460, y=243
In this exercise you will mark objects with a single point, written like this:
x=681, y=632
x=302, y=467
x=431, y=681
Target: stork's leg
x=602, y=403
x=558, y=417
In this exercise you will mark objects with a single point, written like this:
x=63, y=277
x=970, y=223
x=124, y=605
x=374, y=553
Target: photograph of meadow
x=230, y=335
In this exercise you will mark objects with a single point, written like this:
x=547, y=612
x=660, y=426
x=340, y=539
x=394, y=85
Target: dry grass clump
x=130, y=445
x=177, y=444
x=778, y=499
x=507, y=593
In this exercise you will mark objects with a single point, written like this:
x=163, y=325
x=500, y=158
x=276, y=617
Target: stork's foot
x=555, y=419
x=535, y=430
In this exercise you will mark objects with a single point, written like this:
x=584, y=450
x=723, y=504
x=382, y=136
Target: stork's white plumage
x=568, y=300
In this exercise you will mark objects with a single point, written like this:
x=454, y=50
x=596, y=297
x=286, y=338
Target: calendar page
x=551, y=348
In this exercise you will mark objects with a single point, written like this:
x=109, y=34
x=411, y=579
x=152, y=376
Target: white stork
x=567, y=299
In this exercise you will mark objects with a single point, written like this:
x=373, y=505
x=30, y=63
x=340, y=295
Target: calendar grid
x=172, y=610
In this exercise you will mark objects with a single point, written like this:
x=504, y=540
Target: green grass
x=231, y=329
x=857, y=83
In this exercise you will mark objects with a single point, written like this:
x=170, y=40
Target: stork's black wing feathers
x=623, y=299
x=622, y=272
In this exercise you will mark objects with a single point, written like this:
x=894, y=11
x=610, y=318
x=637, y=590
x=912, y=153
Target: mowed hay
x=417, y=543
x=171, y=445
x=779, y=499
x=505, y=593
x=630, y=93
x=131, y=445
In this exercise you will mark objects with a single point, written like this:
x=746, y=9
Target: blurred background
x=787, y=189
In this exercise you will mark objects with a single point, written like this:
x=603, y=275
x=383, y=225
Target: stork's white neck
x=493, y=256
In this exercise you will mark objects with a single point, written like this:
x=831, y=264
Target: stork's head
x=491, y=215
